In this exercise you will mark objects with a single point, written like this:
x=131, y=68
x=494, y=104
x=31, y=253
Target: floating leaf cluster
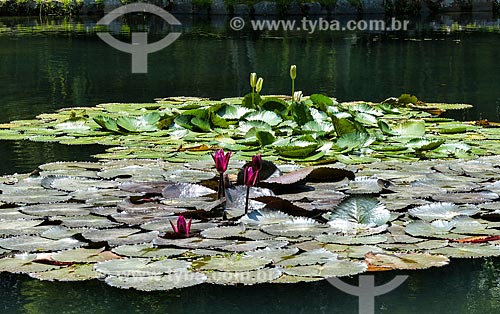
x=110, y=220
x=309, y=129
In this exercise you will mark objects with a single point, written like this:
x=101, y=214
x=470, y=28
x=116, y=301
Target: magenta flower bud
x=250, y=176
x=182, y=227
x=221, y=160
x=257, y=162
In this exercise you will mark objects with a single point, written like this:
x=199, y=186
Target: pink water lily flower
x=182, y=227
x=250, y=176
x=221, y=160
x=257, y=162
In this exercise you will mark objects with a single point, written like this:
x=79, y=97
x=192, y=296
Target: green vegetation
x=307, y=129
x=41, y=7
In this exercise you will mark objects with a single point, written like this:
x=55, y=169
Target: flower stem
x=247, y=198
x=220, y=188
x=253, y=92
x=293, y=88
x=222, y=185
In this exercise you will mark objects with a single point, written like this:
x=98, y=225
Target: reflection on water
x=44, y=70
x=52, y=64
x=26, y=156
x=466, y=286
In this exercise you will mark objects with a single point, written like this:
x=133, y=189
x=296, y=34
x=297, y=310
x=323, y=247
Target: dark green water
x=42, y=70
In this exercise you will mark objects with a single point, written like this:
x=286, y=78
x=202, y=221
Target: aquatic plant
x=250, y=175
x=221, y=160
x=182, y=228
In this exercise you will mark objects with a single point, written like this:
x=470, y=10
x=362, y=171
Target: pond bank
x=253, y=7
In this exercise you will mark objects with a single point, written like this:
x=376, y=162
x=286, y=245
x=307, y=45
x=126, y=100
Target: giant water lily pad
x=24, y=264
x=120, y=236
x=265, y=217
x=84, y=255
x=141, y=267
x=319, y=256
x=441, y=211
x=70, y=273
x=235, y=263
x=71, y=184
x=296, y=227
x=153, y=283
x=244, y=246
x=90, y=221
x=362, y=210
x=275, y=255
x=21, y=227
x=338, y=268
x=466, y=198
x=466, y=250
x=185, y=190
x=147, y=251
x=439, y=229
x=38, y=244
x=61, y=232
x=63, y=209
x=35, y=196
x=244, y=277
x=192, y=243
x=406, y=260
x=347, y=239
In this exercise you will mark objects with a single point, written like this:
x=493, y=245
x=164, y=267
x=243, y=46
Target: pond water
x=47, y=64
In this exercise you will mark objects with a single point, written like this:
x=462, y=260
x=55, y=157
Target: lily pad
x=466, y=250
x=158, y=283
x=83, y=255
x=319, y=256
x=275, y=255
x=185, y=190
x=38, y=244
x=71, y=273
x=147, y=251
x=65, y=209
x=235, y=263
x=24, y=264
x=141, y=267
x=120, y=236
x=339, y=268
x=406, y=260
x=296, y=227
x=445, y=211
x=244, y=277
x=362, y=210
x=224, y=232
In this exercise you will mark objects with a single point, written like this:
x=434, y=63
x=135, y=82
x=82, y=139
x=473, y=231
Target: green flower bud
x=253, y=79
x=258, y=86
x=293, y=71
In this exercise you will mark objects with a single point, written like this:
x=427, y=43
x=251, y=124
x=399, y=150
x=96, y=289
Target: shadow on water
x=465, y=286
